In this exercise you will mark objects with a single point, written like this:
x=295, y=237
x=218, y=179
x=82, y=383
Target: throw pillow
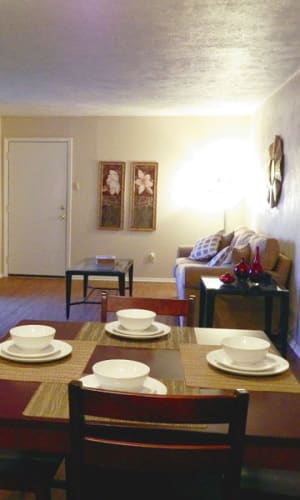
x=226, y=240
x=222, y=257
x=241, y=252
x=206, y=248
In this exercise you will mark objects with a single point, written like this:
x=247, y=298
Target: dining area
x=185, y=365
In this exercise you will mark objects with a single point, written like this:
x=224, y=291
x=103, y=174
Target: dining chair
x=153, y=446
x=29, y=472
x=182, y=308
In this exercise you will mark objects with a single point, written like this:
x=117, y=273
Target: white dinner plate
x=216, y=359
x=114, y=328
x=62, y=349
x=151, y=385
x=151, y=330
x=9, y=347
x=268, y=362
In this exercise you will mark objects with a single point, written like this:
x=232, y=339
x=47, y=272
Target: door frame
x=69, y=143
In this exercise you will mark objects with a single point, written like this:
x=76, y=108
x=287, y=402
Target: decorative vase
x=256, y=272
x=241, y=270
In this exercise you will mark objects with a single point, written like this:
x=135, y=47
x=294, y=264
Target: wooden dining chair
x=141, y=450
x=32, y=472
x=162, y=306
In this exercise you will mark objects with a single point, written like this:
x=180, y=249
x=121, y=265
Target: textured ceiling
x=145, y=57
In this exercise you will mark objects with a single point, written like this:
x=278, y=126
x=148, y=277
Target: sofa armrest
x=184, y=250
x=282, y=271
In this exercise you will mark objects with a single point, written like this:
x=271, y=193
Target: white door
x=37, y=192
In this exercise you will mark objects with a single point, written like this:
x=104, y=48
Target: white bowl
x=135, y=319
x=121, y=374
x=32, y=337
x=244, y=349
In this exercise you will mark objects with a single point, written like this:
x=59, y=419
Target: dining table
x=34, y=394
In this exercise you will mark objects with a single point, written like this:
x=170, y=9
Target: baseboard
x=111, y=278
x=135, y=279
x=155, y=280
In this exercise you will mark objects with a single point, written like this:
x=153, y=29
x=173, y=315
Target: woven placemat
x=97, y=333
x=198, y=373
x=62, y=370
x=50, y=400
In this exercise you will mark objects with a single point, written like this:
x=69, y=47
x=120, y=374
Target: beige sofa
x=232, y=312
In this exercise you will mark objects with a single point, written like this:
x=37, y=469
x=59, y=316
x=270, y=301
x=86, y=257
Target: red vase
x=241, y=270
x=256, y=272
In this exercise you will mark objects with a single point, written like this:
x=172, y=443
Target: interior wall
x=189, y=203
x=280, y=115
x=1, y=203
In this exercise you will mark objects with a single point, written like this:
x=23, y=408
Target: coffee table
x=121, y=269
x=211, y=287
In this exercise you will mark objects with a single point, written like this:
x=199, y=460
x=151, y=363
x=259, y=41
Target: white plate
x=63, y=349
x=268, y=362
x=10, y=348
x=151, y=330
x=114, y=328
x=151, y=385
x=216, y=358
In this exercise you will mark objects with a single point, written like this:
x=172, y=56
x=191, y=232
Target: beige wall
x=183, y=147
x=1, y=202
x=280, y=115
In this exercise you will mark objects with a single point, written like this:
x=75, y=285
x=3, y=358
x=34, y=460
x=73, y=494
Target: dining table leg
x=68, y=292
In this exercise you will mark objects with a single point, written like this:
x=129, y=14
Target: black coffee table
x=121, y=269
x=211, y=287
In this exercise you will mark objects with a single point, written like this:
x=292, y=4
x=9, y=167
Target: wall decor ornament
x=275, y=171
x=143, y=196
x=111, y=195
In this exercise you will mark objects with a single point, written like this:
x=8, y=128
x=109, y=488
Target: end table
x=211, y=287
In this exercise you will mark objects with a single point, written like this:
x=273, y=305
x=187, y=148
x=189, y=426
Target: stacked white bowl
x=135, y=319
x=243, y=349
x=32, y=337
x=121, y=374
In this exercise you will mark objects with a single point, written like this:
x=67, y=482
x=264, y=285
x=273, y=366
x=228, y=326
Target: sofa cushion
x=206, y=248
x=239, y=253
x=226, y=240
x=268, y=249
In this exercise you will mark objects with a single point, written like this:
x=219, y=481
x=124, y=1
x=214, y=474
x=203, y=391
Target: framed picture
x=111, y=195
x=143, y=196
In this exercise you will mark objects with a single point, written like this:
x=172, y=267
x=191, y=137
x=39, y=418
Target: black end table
x=89, y=267
x=211, y=287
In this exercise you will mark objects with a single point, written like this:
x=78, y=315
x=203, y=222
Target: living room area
x=211, y=177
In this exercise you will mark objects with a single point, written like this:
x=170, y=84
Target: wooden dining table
x=34, y=401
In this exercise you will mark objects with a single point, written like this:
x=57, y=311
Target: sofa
x=219, y=253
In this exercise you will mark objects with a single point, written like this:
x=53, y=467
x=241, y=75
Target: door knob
x=62, y=217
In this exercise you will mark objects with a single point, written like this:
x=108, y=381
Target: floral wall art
x=143, y=193
x=111, y=195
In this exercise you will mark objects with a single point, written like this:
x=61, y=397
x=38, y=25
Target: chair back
x=182, y=308
x=140, y=437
